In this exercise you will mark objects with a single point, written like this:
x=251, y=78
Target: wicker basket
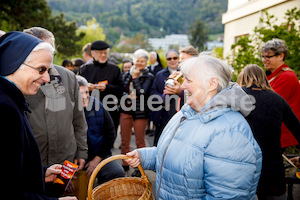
x=120, y=188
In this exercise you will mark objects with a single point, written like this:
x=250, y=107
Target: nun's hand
x=52, y=172
x=135, y=160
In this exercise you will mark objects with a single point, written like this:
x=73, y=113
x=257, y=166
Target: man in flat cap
x=105, y=77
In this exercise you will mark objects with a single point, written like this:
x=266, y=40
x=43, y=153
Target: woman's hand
x=295, y=160
x=135, y=73
x=132, y=95
x=175, y=89
x=52, y=172
x=135, y=161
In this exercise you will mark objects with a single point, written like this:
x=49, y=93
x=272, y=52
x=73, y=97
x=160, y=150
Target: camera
x=175, y=76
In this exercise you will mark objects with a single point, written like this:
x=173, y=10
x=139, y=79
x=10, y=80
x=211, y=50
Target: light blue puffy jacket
x=207, y=155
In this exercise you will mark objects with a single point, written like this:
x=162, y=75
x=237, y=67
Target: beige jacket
x=56, y=119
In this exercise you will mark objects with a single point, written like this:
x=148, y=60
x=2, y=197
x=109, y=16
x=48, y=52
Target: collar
x=11, y=90
x=8, y=80
x=55, y=86
x=276, y=72
x=89, y=61
x=96, y=63
x=172, y=70
x=166, y=71
x=154, y=65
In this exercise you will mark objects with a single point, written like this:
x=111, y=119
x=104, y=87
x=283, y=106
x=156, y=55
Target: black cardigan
x=142, y=85
x=22, y=170
x=265, y=121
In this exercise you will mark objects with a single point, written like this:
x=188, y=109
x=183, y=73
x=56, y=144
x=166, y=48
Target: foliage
x=129, y=45
x=245, y=53
x=153, y=18
x=21, y=14
x=92, y=32
x=115, y=58
x=198, y=35
x=65, y=35
x=18, y=14
x=218, y=52
x=287, y=31
x=246, y=50
x=162, y=57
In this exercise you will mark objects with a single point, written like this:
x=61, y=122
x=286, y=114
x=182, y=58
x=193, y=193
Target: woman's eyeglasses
x=41, y=70
x=267, y=57
x=174, y=58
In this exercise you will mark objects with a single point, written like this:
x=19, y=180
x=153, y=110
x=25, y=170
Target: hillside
x=154, y=18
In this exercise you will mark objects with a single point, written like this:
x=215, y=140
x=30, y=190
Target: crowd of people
x=214, y=138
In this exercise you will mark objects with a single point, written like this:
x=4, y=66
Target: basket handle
x=104, y=162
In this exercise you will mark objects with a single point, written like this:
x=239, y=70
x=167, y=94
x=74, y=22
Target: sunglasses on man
x=174, y=58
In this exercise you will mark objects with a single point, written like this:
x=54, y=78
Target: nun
x=24, y=64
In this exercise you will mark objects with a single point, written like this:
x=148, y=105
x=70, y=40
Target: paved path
x=149, y=141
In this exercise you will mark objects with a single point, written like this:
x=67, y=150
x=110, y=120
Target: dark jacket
x=23, y=174
x=142, y=86
x=265, y=121
x=156, y=69
x=101, y=131
x=162, y=116
x=95, y=72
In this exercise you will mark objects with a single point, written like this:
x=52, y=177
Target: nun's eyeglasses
x=41, y=70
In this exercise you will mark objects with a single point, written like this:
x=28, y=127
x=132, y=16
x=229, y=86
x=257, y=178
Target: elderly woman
x=207, y=150
x=155, y=63
x=134, y=111
x=265, y=121
x=283, y=81
x=24, y=64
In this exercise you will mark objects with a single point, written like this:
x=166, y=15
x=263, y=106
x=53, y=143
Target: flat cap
x=99, y=45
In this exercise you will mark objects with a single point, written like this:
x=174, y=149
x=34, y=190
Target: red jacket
x=285, y=83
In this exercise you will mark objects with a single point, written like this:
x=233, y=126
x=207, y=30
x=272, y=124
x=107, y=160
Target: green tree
x=198, y=35
x=65, y=35
x=139, y=41
x=153, y=18
x=18, y=14
x=92, y=32
x=244, y=53
x=21, y=14
x=246, y=50
x=287, y=31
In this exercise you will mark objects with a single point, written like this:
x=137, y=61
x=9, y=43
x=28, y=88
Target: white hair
x=42, y=34
x=81, y=81
x=140, y=53
x=40, y=46
x=207, y=67
x=153, y=53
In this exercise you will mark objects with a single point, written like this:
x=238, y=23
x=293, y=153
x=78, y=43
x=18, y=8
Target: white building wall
x=164, y=43
x=243, y=16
